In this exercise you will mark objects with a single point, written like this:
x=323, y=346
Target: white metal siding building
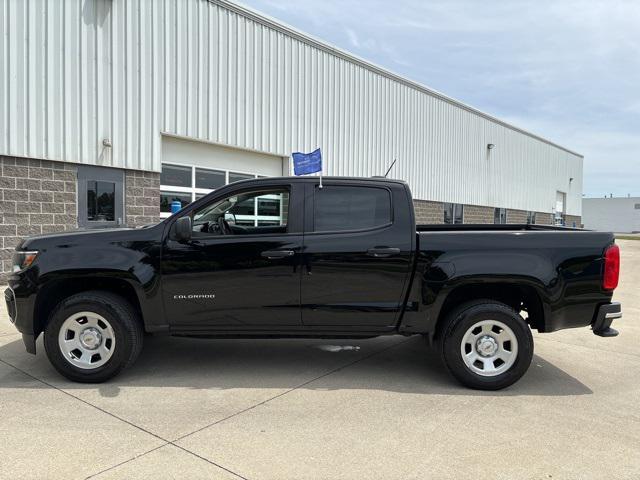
x=135, y=84
x=621, y=215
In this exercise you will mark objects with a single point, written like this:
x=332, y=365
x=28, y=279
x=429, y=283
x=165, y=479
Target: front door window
x=246, y=213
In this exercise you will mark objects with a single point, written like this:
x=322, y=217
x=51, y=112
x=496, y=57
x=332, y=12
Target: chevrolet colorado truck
x=287, y=257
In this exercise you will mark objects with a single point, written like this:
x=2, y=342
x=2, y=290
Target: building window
x=175, y=175
x=101, y=201
x=531, y=218
x=500, y=216
x=100, y=197
x=453, y=213
x=167, y=198
x=187, y=183
x=210, y=179
x=237, y=177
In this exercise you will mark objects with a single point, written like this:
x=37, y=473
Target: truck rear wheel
x=92, y=336
x=486, y=345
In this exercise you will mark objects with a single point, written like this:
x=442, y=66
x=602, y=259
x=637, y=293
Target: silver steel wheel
x=489, y=348
x=86, y=340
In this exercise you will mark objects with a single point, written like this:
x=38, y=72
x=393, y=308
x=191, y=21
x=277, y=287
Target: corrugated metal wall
x=75, y=72
x=612, y=214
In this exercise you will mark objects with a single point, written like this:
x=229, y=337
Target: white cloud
x=353, y=38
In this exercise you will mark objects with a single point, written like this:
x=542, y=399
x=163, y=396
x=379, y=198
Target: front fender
x=60, y=270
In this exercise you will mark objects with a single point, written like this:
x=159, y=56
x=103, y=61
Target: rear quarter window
x=339, y=208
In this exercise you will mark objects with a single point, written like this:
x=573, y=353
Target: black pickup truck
x=284, y=257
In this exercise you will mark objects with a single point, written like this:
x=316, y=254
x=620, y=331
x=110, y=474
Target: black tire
x=124, y=321
x=457, y=324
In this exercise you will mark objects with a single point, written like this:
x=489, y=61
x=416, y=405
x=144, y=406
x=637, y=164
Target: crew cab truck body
x=283, y=257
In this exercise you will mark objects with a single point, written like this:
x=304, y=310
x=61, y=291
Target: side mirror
x=183, y=229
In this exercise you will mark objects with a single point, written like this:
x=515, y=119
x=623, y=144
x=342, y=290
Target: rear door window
x=338, y=208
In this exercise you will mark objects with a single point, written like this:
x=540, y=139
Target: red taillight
x=611, y=268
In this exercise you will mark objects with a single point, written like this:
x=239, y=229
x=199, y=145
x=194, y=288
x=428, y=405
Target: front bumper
x=20, y=300
x=10, y=300
x=607, y=313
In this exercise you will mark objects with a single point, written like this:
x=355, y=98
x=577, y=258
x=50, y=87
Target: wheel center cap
x=486, y=346
x=91, y=338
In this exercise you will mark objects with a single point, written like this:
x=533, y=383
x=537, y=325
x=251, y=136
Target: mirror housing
x=183, y=229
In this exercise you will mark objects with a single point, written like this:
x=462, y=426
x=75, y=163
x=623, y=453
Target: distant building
x=612, y=214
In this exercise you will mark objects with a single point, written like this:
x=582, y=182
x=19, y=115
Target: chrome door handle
x=382, y=252
x=274, y=254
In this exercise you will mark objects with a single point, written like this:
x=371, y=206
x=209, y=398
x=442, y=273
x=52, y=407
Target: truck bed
x=558, y=266
x=493, y=227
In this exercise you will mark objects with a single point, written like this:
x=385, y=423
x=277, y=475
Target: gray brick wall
x=544, y=218
x=477, y=214
x=516, y=216
x=570, y=219
x=36, y=196
x=142, y=198
x=428, y=212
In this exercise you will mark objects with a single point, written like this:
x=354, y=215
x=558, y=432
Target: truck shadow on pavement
x=394, y=364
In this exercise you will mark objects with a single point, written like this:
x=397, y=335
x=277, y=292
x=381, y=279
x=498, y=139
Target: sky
x=566, y=70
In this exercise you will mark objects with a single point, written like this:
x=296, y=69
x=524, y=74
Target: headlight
x=22, y=260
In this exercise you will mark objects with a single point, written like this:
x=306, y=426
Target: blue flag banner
x=305, y=163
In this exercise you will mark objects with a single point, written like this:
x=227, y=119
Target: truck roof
x=316, y=179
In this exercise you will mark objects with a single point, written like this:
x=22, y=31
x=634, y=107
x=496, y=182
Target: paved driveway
x=297, y=409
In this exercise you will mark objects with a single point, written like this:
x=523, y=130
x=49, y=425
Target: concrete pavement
x=280, y=409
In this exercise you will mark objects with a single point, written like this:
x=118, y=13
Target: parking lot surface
x=305, y=409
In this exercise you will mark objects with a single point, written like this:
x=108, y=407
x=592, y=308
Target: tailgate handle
x=273, y=254
x=380, y=252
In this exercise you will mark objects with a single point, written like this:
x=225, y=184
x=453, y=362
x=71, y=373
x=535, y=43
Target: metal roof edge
x=634, y=198
x=284, y=28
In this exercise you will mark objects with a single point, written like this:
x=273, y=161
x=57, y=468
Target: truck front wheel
x=486, y=345
x=92, y=336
